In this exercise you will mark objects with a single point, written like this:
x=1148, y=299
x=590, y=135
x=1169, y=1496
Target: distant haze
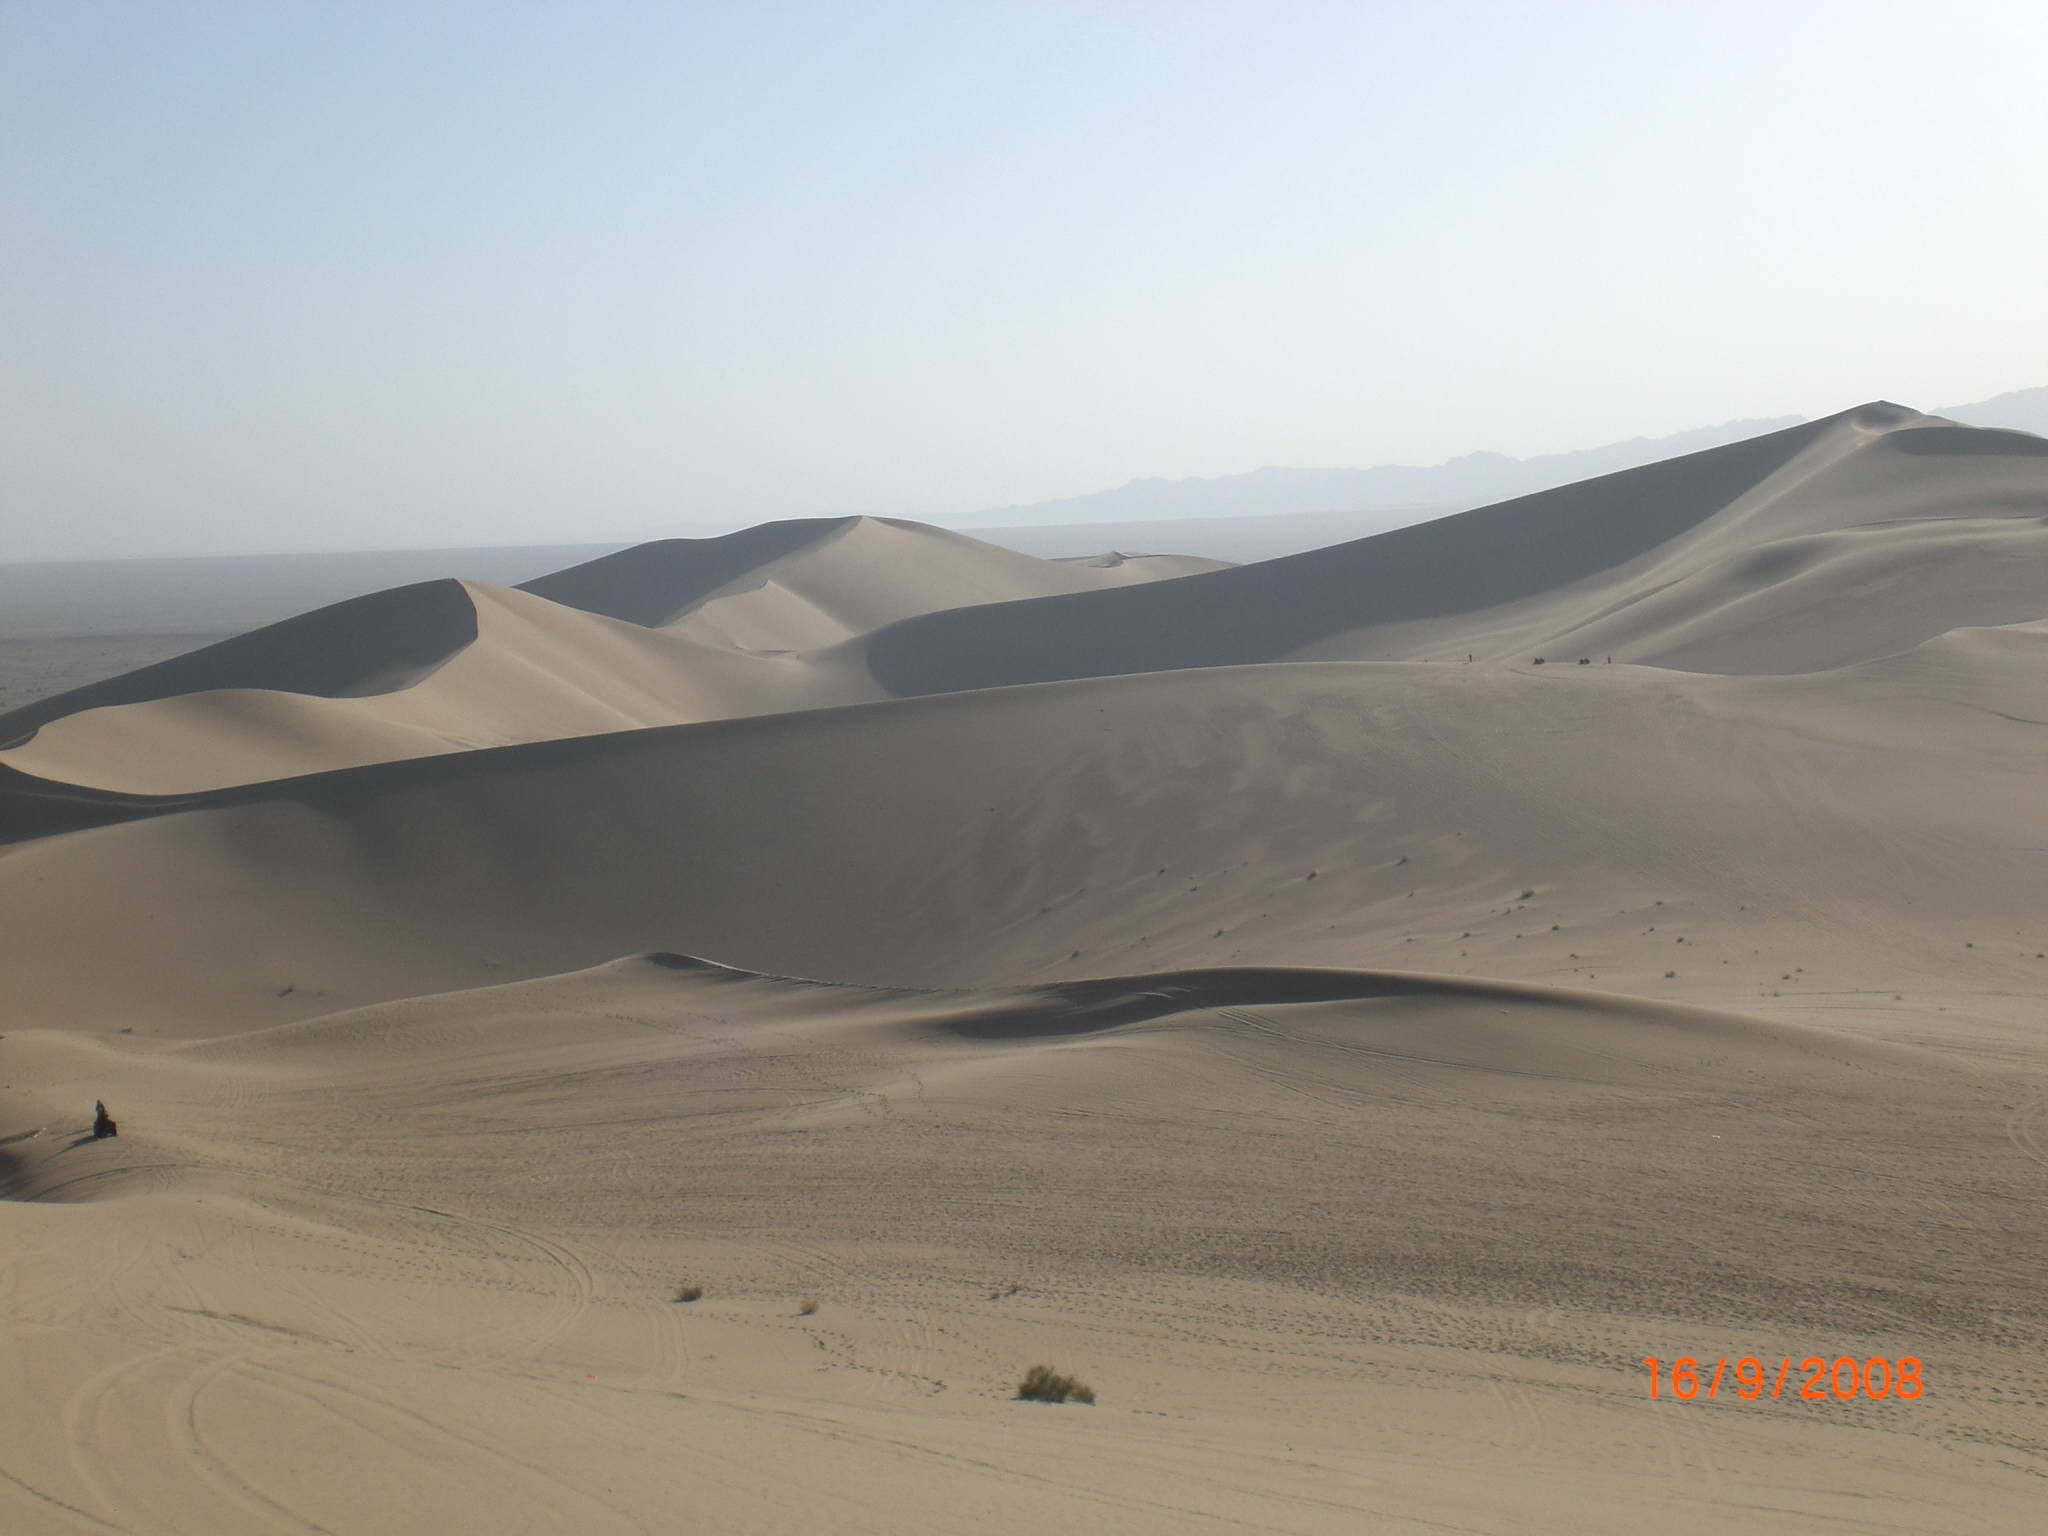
x=308, y=278
x=1470, y=480
x=1467, y=480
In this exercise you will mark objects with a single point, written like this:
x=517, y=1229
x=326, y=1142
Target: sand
x=674, y=632
x=65, y=624
x=1834, y=542
x=1351, y=1065
x=804, y=584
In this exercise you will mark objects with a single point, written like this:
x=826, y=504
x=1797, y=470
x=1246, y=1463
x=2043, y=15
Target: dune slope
x=1825, y=544
x=524, y=669
x=451, y=666
x=1836, y=542
x=1351, y=1061
x=1315, y=1237
x=1334, y=813
x=366, y=645
x=807, y=583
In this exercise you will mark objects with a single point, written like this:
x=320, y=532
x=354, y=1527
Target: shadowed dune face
x=653, y=584
x=1659, y=564
x=809, y=583
x=531, y=671
x=367, y=645
x=1275, y=609
x=1818, y=547
x=363, y=682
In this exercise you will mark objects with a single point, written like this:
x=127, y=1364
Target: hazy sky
x=318, y=276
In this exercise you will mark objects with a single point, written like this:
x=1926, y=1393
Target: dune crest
x=664, y=634
x=804, y=584
x=1756, y=558
x=526, y=670
x=354, y=649
x=1750, y=558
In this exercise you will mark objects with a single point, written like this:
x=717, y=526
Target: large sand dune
x=1330, y=813
x=491, y=666
x=1829, y=543
x=1353, y=1061
x=804, y=584
x=451, y=665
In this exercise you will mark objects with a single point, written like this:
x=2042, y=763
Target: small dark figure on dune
x=103, y=1123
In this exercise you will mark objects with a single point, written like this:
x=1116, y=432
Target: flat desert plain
x=667, y=1046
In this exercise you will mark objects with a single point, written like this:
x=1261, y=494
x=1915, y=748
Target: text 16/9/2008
x=1819, y=1378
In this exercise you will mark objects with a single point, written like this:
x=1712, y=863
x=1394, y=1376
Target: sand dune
x=1335, y=813
x=1829, y=544
x=1350, y=1060
x=1431, y=1224
x=366, y=645
x=1760, y=557
x=514, y=668
x=804, y=584
x=451, y=666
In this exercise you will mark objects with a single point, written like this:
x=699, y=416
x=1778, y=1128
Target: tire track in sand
x=405, y=1427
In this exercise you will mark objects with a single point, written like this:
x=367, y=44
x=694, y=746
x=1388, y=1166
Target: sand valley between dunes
x=1350, y=1058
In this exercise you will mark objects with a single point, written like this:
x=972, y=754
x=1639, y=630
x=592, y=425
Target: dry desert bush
x=1043, y=1384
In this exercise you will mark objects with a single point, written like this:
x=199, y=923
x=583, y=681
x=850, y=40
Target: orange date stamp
x=1816, y=1378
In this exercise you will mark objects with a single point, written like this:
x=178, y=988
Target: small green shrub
x=1043, y=1384
x=689, y=1292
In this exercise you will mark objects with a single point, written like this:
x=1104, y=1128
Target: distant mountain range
x=1470, y=480
x=2025, y=410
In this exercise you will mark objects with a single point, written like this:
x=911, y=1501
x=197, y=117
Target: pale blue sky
x=297, y=276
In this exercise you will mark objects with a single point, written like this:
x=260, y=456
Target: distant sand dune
x=364, y=681
x=808, y=583
x=367, y=645
x=522, y=669
x=1761, y=557
x=1832, y=543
